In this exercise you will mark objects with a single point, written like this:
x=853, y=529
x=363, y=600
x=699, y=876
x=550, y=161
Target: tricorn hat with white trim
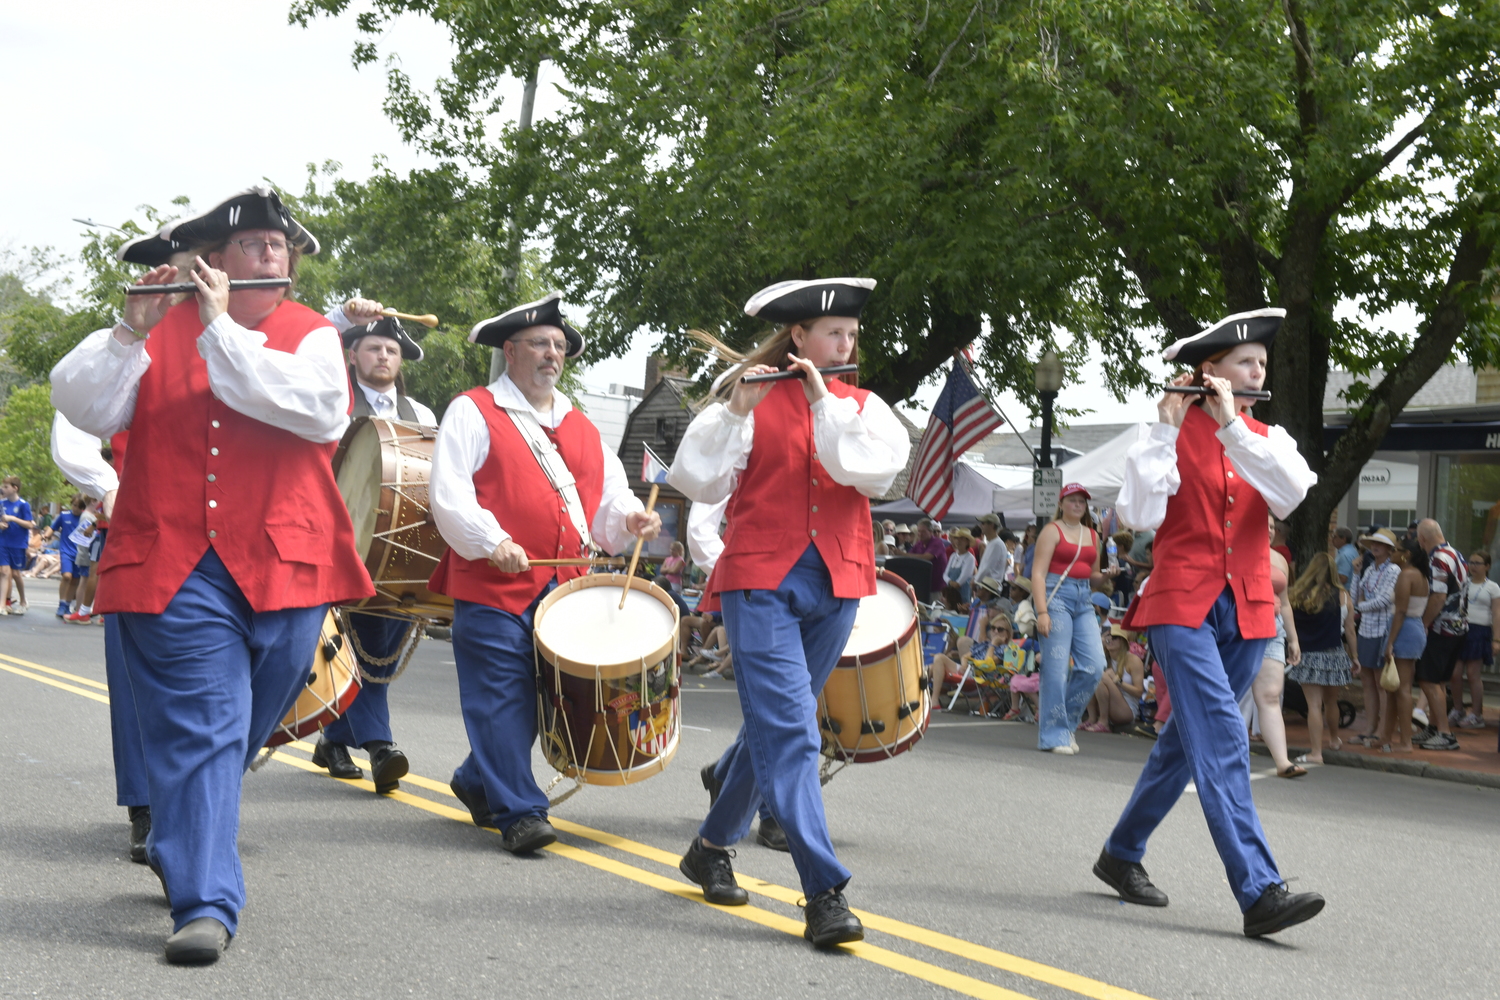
x=794, y=301
x=1258, y=326
x=389, y=327
x=545, y=311
x=257, y=207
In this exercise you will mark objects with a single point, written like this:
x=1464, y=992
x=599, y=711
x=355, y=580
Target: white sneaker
x=1454, y=715
x=1472, y=721
x=1073, y=742
x=1420, y=717
x=18, y=609
x=1067, y=751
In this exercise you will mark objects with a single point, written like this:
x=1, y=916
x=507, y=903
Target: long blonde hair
x=771, y=351
x=1315, y=586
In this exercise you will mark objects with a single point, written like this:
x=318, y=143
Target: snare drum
x=609, y=708
x=382, y=468
x=331, y=687
x=877, y=700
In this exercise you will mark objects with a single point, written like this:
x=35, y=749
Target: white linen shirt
x=995, y=562
x=1271, y=464
x=76, y=453
x=704, y=542
x=388, y=408
x=463, y=444
x=863, y=449
x=305, y=392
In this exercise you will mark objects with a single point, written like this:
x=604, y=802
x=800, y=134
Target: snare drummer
x=377, y=348
x=517, y=472
x=801, y=458
x=219, y=569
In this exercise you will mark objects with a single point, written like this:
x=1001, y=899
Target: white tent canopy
x=975, y=486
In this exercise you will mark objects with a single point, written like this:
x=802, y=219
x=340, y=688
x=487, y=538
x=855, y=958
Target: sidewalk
x=1477, y=762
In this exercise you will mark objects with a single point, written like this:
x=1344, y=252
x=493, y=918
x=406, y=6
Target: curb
x=1410, y=768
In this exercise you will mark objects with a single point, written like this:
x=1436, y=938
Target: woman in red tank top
x=1066, y=562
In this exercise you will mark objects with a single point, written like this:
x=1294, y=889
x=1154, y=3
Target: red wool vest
x=512, y=486
x=1215, y=536
x=201, y=474
x=786, y=499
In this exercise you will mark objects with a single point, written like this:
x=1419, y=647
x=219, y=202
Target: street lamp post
x=1049, y=377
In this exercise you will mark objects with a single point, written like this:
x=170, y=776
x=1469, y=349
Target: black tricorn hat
x=389, y=327
x=546, y=311
x=794, y=301
x=257, y=207
x=1258, y=326
x=152, y=250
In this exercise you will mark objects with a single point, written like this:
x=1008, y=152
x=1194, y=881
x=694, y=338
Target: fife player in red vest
x=801, y=459
x=230, y=538
x=517, y=472
x=1204, y=479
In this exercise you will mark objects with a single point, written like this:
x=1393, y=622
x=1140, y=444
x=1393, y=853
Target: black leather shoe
x=1128, y=879
x=1277, y=909
x=712, y=784
x=527, y=834
x=479, y=809
x=710, y=867
x=829, y=921
x=387, y=764
x=335, y=757
x=771, y=834
x=140, y=827
x=200, y=942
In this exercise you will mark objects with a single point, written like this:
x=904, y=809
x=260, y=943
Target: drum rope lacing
x=404, y=652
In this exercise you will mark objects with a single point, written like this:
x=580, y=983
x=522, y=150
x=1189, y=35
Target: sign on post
x=1046, y=484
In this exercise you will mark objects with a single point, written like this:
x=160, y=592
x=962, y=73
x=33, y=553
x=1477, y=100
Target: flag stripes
x=960, y=420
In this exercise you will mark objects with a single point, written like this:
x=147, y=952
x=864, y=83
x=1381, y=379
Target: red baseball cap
x=1072, y=488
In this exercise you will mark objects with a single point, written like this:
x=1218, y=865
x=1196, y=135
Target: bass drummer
x=517, y=473
x=800, y=457
x=377, y=348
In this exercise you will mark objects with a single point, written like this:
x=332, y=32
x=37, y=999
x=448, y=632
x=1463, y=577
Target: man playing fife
x=517, y=450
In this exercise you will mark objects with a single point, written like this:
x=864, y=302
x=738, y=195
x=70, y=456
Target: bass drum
x=382, y=468
x=332, y=685
x=877, y=701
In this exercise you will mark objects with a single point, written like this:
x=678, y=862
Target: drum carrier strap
x=558, y=473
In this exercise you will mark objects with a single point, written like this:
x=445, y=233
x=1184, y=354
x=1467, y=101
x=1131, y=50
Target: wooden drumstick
x=616, y=561
x=639, y=541
x=430, y=321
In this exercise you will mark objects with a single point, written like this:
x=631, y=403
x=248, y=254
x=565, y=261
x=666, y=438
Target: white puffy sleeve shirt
x=864, y=449
x=305, y=392
x=76, y=453
x=1271, y=464
x=704, y=542
x=463, y=444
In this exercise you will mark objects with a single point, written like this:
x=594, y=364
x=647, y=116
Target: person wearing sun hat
x=1373, y=591
x=1205, y=478
x=800, y=459
x=229, y=538
x=517, y=473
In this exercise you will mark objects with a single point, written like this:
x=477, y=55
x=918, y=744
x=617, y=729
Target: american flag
x=961, y=418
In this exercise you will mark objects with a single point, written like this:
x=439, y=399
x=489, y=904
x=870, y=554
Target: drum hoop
x=857, y=660
x=613, y=670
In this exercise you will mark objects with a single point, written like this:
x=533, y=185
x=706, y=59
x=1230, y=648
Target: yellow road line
x=936, y=940
x=55, y=673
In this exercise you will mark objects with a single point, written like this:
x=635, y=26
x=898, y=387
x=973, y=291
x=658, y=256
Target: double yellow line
x=926, y=971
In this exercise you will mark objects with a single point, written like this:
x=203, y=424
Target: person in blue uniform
x=15, y=536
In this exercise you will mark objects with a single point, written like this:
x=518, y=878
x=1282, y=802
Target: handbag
x=1390, y=679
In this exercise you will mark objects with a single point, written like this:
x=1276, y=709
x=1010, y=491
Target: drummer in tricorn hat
x=377, y=350
x=800, y=459
x=230, y=539
x=517, y=474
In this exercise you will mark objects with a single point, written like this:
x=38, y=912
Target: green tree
x=25, y=444
x=1127, y=172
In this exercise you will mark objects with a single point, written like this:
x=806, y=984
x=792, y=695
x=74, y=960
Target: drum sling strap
x=558, y=473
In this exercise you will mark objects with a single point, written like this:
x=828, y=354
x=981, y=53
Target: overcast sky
x=119, y=104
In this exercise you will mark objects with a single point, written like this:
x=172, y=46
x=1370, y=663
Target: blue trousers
x=1064, y=692
x=124, y=727
x=211, y=679
x=1207, y=670
x=785, y=642
x=494, y=653
x=369, y=716
x=722, y=765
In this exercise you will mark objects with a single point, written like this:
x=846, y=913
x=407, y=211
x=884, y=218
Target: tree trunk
x=948, y=332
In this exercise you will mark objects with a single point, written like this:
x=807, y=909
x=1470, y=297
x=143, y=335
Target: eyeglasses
x=543, y=344
x=256, y=248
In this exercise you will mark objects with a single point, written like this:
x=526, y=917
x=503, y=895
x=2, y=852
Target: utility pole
x=512, y=273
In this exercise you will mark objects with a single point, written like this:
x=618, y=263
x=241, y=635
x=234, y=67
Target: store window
x=1394, y=518
x=1468, y=501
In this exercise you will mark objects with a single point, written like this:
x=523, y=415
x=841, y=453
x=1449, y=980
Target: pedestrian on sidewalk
x=1447, y=624
x=1407, y=641
x=1374, y=590
x=1281, y=652
x=1479, y=647
x=1325, y=629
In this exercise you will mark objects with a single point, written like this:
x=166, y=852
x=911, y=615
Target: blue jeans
x=1065, y=693
x=786, y=642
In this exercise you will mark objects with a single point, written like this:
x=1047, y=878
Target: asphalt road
x=973, y=852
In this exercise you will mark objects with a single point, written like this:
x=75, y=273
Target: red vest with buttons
x=1215, y=536
x=512, y=486
x=201, y=475
x=786, y=499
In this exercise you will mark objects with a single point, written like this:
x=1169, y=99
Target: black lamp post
x=1049, y=378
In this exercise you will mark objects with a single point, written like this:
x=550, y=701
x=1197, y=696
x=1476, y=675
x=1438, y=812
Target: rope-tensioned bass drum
x=383, y=467
x=332, y=685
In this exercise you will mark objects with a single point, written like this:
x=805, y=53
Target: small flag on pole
x=960, y=420
x=653, y=469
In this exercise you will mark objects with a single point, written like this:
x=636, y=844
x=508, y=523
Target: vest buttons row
x=815, y=508
x=1229, y=551
x=1231, y=475
x=1231, y=499
x=213, y=503
x=213, y=534
x=813, y=533
x=212, y=477
x=815, y=482
x=214, y=424
x=1229, y=576
x=213, y=451
x=1227, y=523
